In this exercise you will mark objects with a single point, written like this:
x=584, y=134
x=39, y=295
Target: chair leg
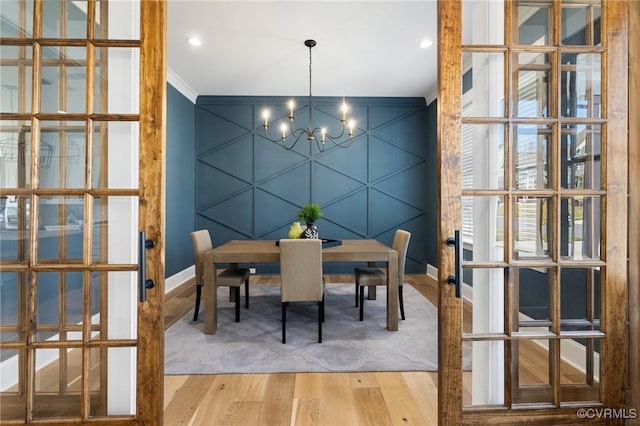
x=246, y=293
x=357, y=288
x=320, y=319
x=236, y=291
x=401, y=302
x=284, y=322
x=361, y=303
x=198, y=294
x=322, y=307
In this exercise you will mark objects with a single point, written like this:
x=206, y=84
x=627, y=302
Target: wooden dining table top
x=266, y=251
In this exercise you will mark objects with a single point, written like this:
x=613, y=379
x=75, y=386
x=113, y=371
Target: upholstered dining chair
x=366, y=277
x=301, y=277
x=230, y=277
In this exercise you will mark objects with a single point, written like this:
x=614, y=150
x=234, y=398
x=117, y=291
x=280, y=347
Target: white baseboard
x=176, y=279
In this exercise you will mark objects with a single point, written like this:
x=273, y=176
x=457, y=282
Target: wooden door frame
x=633, y=399
x=615, y=21
x=153, y=100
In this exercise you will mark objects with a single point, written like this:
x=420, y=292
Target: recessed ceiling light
x=194, y=41
x=426, y=44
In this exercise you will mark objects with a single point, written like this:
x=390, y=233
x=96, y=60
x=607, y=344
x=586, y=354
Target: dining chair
x=367, y=277
x=301, y=277
x=230, y=277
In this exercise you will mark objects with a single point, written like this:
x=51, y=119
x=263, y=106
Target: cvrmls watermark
x=607, y=413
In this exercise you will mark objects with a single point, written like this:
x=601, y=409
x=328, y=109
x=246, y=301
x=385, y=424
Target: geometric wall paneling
x=351, y=161
x=408, y=133
x=408, y=186
x=239, y=114
x=235, y=212
x=350, y=212
x=382, y=115
x=386, y=158
x=328, y=185
x=387, y=213
x=214, y=131
x=271, y=212
x=377, y=185
x=293, y=185
x=213, y=185
x=271, y=159
x=235, y=159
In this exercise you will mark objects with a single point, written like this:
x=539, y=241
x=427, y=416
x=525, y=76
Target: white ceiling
x=364, y=48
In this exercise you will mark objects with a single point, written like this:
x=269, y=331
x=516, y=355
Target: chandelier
x=289, y=136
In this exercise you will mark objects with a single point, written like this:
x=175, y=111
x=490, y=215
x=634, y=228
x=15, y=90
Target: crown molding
x=180, y=85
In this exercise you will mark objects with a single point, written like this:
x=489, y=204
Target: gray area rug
x=254, y=344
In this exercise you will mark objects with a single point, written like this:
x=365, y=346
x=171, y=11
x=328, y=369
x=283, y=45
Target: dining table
x=252, y=252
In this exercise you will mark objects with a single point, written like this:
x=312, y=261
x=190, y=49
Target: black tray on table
x=326, y=243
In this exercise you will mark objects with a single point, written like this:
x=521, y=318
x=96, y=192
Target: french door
x=81, y=174
x=532, y=138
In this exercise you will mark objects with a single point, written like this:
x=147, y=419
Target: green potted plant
x=310, y=213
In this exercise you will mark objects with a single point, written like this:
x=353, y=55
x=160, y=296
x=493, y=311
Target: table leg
x=210, y=295
x=392, y=291
x=371, y=290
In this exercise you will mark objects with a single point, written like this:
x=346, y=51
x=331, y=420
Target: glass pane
x=482, y=156
x=483, y=22
x=118, y=64
x=531, y=227
x=486, y=381
x=531, y=300
x=483, y=84
x=120, y=320
x=15, y=214
x=580, y=228
x=62, y=154
x=54, y=375
x=12, y=397
x=580, y=154
x=581, y=88
x=579, y=365
x=113, y=142
x=113, y=222
x=16, y=75
x=60, y=230
x=483, y=228
x=125, y=16
x=17, y=19
x=532, y=85
x=581, y=24
x=484, y=290
x=580, y=299
x=15, y=152
x=533, y=23
x=533, y=359
x=64, y=19
x=120, y=383
x=12, y=287
x=531, y=156
x=53, y=323
x=63, y=67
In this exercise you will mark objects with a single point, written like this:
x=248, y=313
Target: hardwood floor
x=332, y=399
x=384, y=398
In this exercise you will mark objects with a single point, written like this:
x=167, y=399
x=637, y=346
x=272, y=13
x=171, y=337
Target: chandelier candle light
x=290, y=136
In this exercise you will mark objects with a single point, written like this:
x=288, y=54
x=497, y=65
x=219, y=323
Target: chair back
x=301, y=270
x=401, y=244
x=201, y=241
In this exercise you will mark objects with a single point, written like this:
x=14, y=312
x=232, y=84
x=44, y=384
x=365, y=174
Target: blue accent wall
x=250, y=188
x=180, y=167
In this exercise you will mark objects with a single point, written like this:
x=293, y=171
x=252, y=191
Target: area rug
x=254, y=344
